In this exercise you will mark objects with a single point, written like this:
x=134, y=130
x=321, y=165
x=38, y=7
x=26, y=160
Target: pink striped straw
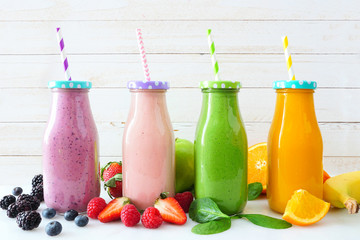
x=63, y=54
x=143, y=54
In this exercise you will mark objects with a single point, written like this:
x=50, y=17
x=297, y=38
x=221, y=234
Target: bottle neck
x=70, y=101
x=295, y=103
x=220, y=101
x=147, y=101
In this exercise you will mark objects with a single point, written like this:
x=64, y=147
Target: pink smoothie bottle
x=148, y=145
x=70, y=148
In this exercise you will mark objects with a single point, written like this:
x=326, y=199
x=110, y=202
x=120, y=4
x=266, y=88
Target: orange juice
x=295, y=148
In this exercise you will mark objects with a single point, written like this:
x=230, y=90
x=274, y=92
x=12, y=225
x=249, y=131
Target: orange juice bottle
x=295, y=148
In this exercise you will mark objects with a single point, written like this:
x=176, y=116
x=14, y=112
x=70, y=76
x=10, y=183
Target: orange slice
x=304, y=208
x=257, y=164
x=326, y=176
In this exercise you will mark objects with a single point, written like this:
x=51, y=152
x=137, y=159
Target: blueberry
x=81, y=220
x=17, y=191
x=53, y=228
x=70, y=215
x=48, y=213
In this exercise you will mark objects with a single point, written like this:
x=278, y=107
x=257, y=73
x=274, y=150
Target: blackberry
x=37, y=180
x=23, y=206
x=28, y=220
x=26, y=199
x=12, y=211
x=6, y=201
x=38, y=192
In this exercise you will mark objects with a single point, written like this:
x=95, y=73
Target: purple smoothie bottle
x=70, y=148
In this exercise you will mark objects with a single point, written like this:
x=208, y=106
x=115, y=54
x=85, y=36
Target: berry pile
x=166, y=209
x=54, y=228
x=24, y=207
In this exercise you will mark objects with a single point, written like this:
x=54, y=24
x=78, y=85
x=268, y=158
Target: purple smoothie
x=70, y=152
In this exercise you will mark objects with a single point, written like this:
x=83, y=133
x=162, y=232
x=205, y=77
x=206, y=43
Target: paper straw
x=288, y=59
x=213, y=56
x=63, y=54
x=143, y=54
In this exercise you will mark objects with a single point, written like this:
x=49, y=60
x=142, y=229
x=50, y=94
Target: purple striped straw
x=63, y=54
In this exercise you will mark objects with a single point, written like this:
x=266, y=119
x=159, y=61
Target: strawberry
x=170, y=210
x=111, y=174
x=114, y=186
x=113, y=210
x=185, y=199
x=110, y=170
x=151, y=218
x=130, y=216
x=95, y=206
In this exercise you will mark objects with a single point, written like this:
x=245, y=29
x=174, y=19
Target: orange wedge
x=304, y=208
x=257, y=164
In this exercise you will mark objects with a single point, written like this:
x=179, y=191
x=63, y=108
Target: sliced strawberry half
x=112, y=211
x=170, y=210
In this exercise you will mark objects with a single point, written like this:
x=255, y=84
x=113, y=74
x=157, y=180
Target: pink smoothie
x=70, y=152
x=148, y=149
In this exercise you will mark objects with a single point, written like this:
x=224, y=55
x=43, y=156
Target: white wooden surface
x=337, y=224
x=100, y=40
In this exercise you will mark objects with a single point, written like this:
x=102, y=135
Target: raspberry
x=130, y=216
x=95, y=206
x=151, y=218
x=185, y=199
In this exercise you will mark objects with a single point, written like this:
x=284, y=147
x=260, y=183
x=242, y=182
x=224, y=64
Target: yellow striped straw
x=288, y=58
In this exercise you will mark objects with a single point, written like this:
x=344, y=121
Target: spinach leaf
x=204, y=210
x=254, y=190
x=212, y=227
x=265, y=221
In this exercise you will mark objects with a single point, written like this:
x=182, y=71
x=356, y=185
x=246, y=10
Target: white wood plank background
x=101, y=43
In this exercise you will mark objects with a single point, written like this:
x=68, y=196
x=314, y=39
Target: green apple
x=184, y=162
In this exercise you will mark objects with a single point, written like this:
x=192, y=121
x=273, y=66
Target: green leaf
x=254, y=190
x=204, y=210
x=112, y=181
x=212, y=227
x=265, y=221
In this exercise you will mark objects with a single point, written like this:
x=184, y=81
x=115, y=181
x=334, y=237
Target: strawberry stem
x=164, y=195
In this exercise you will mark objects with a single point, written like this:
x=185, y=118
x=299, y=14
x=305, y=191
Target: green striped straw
x=213, y=56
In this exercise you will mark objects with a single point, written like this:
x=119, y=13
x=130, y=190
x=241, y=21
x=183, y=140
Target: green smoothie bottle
x=221, y=148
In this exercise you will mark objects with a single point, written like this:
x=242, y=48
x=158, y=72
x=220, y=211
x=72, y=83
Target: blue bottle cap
x=69, y=84
x=295, y=84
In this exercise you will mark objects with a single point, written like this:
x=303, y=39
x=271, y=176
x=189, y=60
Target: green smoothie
x=221, y=148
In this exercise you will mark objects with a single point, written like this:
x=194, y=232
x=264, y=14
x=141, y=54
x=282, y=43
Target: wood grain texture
x=101, y=43
x=109, y=37
x=182, y=70
x=184, y=104
x=137, y=10
x=26, y=138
